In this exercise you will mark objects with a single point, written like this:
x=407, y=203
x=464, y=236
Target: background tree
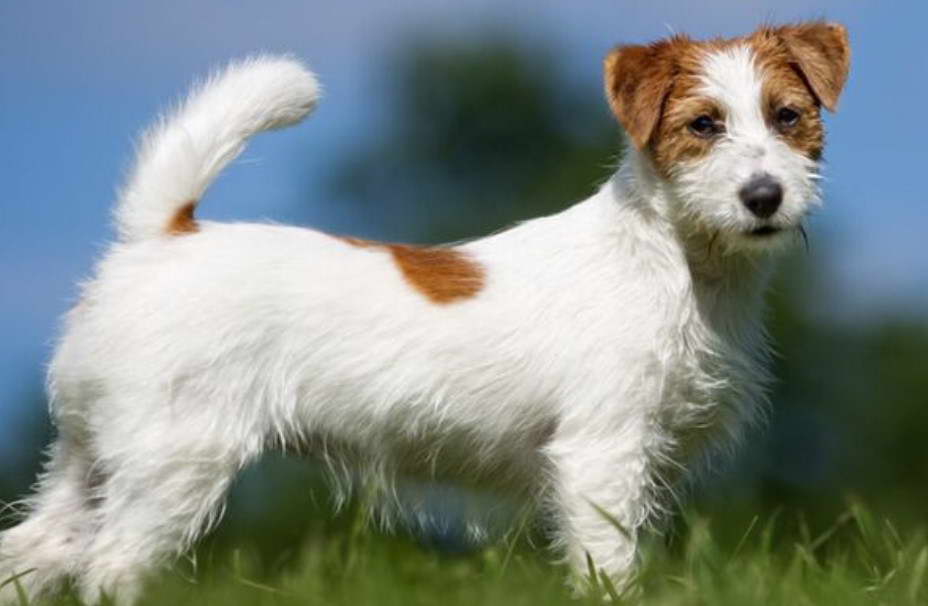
x=481, y=134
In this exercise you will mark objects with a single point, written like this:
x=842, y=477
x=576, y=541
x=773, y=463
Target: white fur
x=184, y=152
x=605, y=353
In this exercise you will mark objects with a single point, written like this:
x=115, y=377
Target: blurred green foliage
x=481, y=134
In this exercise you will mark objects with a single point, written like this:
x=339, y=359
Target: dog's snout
x=762, y=195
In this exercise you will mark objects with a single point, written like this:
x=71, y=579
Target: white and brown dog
x=582, y=359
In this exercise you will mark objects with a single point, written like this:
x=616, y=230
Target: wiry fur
x=607, y=348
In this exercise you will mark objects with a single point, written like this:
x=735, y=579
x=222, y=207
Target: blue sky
x=79, y=80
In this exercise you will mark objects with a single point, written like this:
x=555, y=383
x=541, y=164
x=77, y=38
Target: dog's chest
x=715, y=374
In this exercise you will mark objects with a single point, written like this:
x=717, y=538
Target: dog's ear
x=638, y=80
x=823, y=56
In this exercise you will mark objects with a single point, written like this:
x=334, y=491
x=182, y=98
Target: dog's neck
x=716, y=273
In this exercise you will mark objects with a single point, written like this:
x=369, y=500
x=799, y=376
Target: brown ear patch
x=442, y=275
x=637, y=81
x=822, y=53
x=784, y=86
x=183, y=221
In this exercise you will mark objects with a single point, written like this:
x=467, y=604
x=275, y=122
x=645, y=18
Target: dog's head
x=733, y=127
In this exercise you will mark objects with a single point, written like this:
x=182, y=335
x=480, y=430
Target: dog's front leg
x=603, y=494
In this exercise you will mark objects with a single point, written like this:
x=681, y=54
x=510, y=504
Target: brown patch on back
x=443, y=275
x=183, y=221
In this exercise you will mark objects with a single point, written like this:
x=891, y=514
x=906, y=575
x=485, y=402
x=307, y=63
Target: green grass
x=857, y=560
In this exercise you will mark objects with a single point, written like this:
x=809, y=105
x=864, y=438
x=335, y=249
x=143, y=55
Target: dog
x=583, y=360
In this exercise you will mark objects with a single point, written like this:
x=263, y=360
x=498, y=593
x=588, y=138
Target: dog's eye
x=704, y=126
x=787, y=117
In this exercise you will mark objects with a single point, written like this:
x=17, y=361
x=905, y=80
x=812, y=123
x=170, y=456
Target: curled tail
x=185, y=150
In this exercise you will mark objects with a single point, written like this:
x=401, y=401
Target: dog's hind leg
x=164, y=484
x=45, y=547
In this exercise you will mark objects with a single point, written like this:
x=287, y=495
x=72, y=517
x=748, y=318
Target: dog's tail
x=185, y=150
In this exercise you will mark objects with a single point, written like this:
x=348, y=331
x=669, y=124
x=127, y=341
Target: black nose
x=762, y=195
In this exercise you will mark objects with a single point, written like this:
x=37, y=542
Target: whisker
x=805, y=238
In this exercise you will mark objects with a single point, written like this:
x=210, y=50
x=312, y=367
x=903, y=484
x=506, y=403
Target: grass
x=859, y=559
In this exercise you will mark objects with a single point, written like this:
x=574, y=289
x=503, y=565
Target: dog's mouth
x=765, y=231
